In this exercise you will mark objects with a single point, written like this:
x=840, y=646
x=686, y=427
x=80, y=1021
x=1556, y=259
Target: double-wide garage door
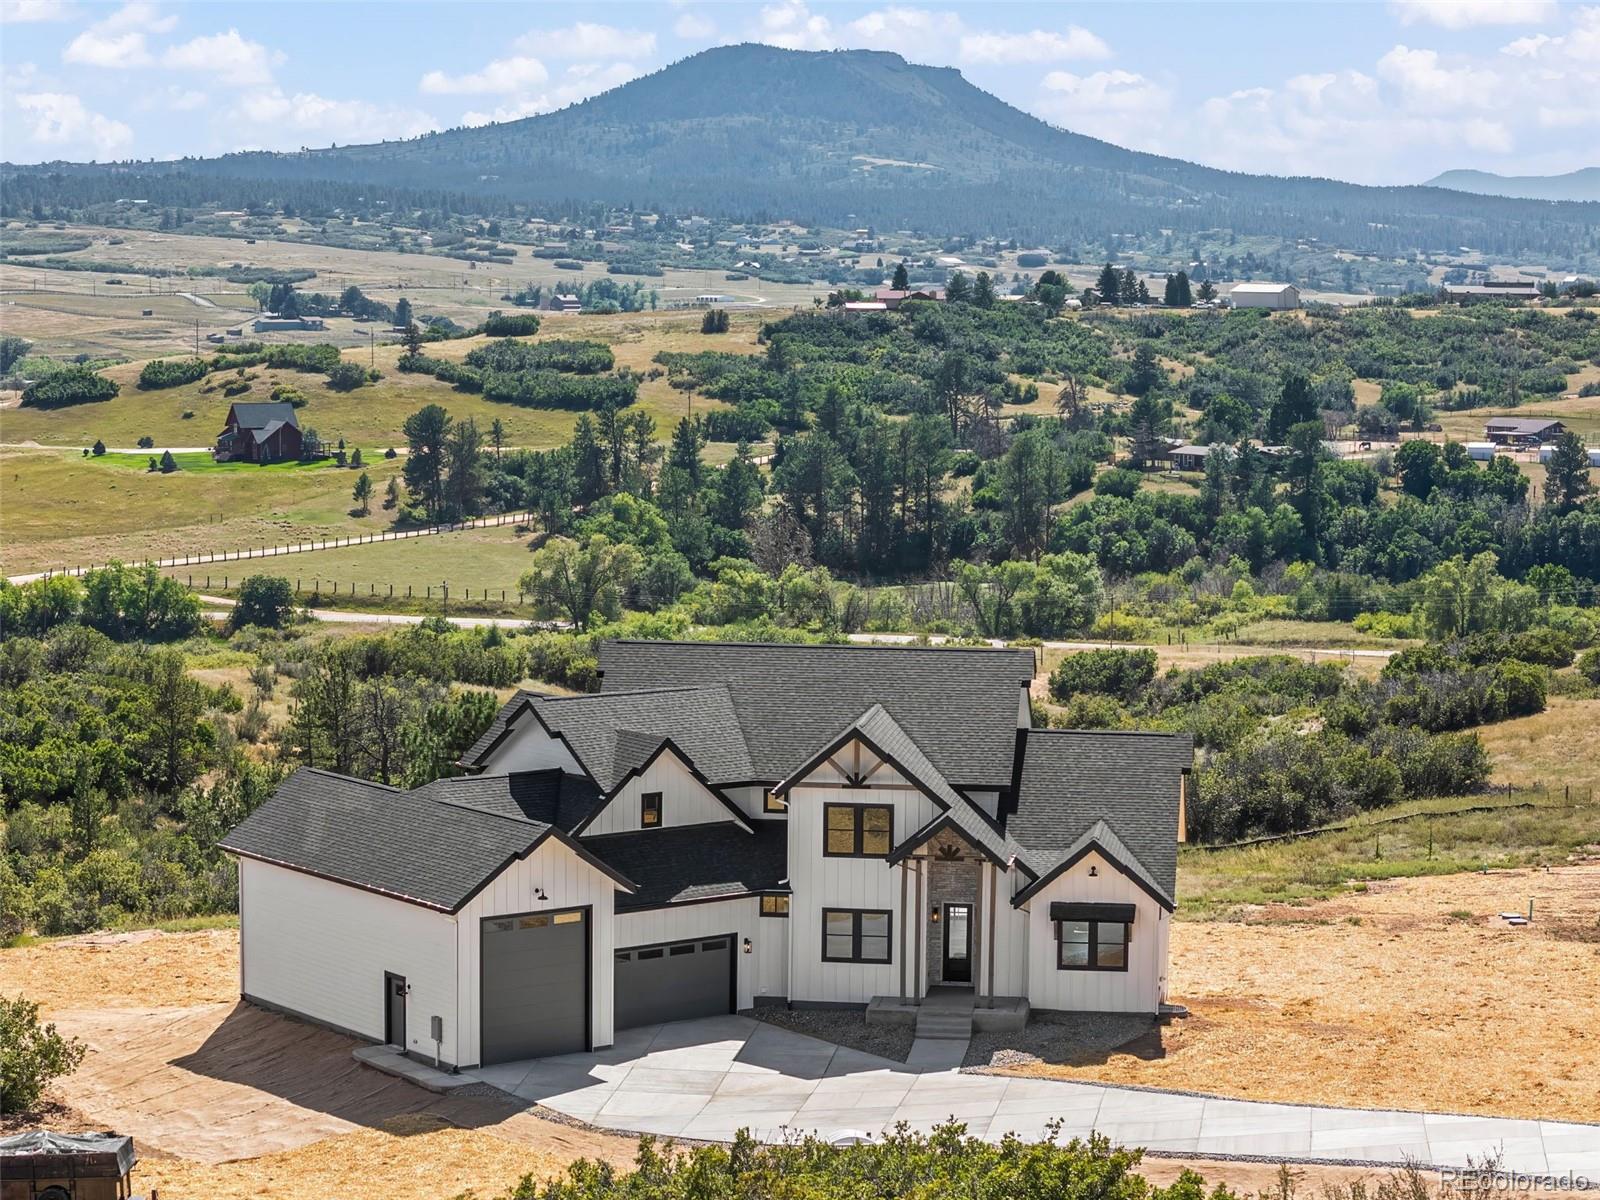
x=675, y=981
x=535, y=980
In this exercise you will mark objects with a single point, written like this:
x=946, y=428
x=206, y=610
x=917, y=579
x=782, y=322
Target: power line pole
x=197, y=337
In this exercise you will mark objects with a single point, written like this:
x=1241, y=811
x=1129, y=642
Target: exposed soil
x=1414, y=994
x=1071, y=1039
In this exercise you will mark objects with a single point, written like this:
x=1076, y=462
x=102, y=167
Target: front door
x=957, y=943
x=394, y=1014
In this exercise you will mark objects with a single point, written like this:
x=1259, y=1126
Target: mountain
x=849, y=138
x=1575, y=185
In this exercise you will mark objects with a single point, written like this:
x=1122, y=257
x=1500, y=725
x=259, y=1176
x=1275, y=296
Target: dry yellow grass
x=1411, y=995
x=1558, y=747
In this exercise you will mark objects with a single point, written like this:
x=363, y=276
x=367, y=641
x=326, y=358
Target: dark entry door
x=677, y=981
x=957, y=943
x=535, y=979
x=394, y=1009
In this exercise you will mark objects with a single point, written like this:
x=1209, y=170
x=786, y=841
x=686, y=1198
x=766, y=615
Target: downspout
x=905, y=918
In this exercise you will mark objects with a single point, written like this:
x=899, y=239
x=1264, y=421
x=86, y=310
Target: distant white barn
x=1265, y=295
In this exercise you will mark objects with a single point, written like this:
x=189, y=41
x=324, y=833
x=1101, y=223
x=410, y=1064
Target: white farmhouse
x=723, y=825
x=1265, y=295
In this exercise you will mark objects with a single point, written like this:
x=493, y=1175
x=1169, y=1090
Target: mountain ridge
x=756, y=132
x=1582, y=185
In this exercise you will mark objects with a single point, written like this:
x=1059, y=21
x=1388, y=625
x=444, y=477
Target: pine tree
x=1109, y=284
x=1566, y=480
x=1185, y=294
x=902, y=280
x=362, y=493
x=983, y=291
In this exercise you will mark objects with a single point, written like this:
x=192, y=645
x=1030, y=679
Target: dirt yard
x=1412, y=995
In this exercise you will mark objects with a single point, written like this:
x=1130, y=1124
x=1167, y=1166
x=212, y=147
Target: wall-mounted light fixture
x=933, y=914
x=1094, y=871
x=749, y=946
x=538, y=894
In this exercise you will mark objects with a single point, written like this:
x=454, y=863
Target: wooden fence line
x=1348, y=826
x=275, y=551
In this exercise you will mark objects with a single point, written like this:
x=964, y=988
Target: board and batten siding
x=320, y=949
x=760, y=971
x=527, y=747
x=684, y=800
x=820, y=882
x=1139, y=989
x=750, y=801
x=568, y=882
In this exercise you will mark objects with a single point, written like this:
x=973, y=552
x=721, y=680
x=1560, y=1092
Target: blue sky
x=1378, y=91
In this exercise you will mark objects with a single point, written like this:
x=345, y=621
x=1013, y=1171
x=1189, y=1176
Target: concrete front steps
x=949, y=1013
x=392, y=1060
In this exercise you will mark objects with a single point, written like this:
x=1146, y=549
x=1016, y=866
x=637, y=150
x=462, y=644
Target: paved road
x=710, y=1078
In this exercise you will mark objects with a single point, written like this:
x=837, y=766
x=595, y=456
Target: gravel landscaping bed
x=1071, y=1039
x=844, y=1027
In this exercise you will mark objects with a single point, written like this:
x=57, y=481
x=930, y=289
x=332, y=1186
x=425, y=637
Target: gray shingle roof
x=548, y=797
x=1071, y=779
x=408, y=845
x=959, y=705
x=260, y=414
x=696, y=862
x=616, y=732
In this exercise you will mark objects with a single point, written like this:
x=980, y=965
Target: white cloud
x=19, y=11
x=95, y=48
x=1103, y=103
x=910, y=31
x=62, y=119
x=503, y=76
x=230, y=57
x=793, y=26
x=692, y=27
x=577, y=82
x=281, y=120
x=1428, y=84
x=1040, y=46
x=1466, y=14
x=585, y=40
x=139, y=15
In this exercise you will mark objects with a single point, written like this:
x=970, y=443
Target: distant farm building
x=270, y=322
x=564, y=303
x=1265, y=295
x=1189, y=457
x=259, y=433
x=1522, y=431
x=865, y=306
x=1516, y=289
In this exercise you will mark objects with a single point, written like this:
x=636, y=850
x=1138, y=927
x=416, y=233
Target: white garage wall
x=320, y=949
x=684, y=800
x=1139, y=988
x=568, y=882
x=760, y=972
x=854, y=883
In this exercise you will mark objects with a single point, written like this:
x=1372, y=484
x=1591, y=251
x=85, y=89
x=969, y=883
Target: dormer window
x=650, y=810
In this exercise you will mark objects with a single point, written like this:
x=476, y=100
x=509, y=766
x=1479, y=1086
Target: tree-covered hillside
x=854, y=138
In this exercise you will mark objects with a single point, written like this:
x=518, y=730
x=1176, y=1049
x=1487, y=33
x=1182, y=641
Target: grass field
x=483, y=560
x=373, y=415
x=58, y=509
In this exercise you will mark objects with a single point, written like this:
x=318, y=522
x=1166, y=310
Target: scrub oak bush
x=1118, y=673
x=943, y=1165
x=32, y=1055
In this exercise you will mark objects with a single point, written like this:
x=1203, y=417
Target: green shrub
x=32, y=1056
x=346, y=376
x=1116, y=673
x=74, y=385
x=1589, y=666
x=511, y=324
x=172, y=372
x=264, y=600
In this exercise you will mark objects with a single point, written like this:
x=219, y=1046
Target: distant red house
x=895, y=297
x=259, y=433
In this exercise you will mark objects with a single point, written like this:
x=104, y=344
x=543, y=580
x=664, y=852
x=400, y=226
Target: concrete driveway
x=707, y=1079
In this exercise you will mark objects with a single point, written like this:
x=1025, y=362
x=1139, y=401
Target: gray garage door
x=674, y=981
x=535, y=986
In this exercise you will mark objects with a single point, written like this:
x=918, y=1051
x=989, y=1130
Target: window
x=1092, y=945
x=650, y=810
x=855, y=935
x=857, y=830
x=774, y=906
x=772, y=804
